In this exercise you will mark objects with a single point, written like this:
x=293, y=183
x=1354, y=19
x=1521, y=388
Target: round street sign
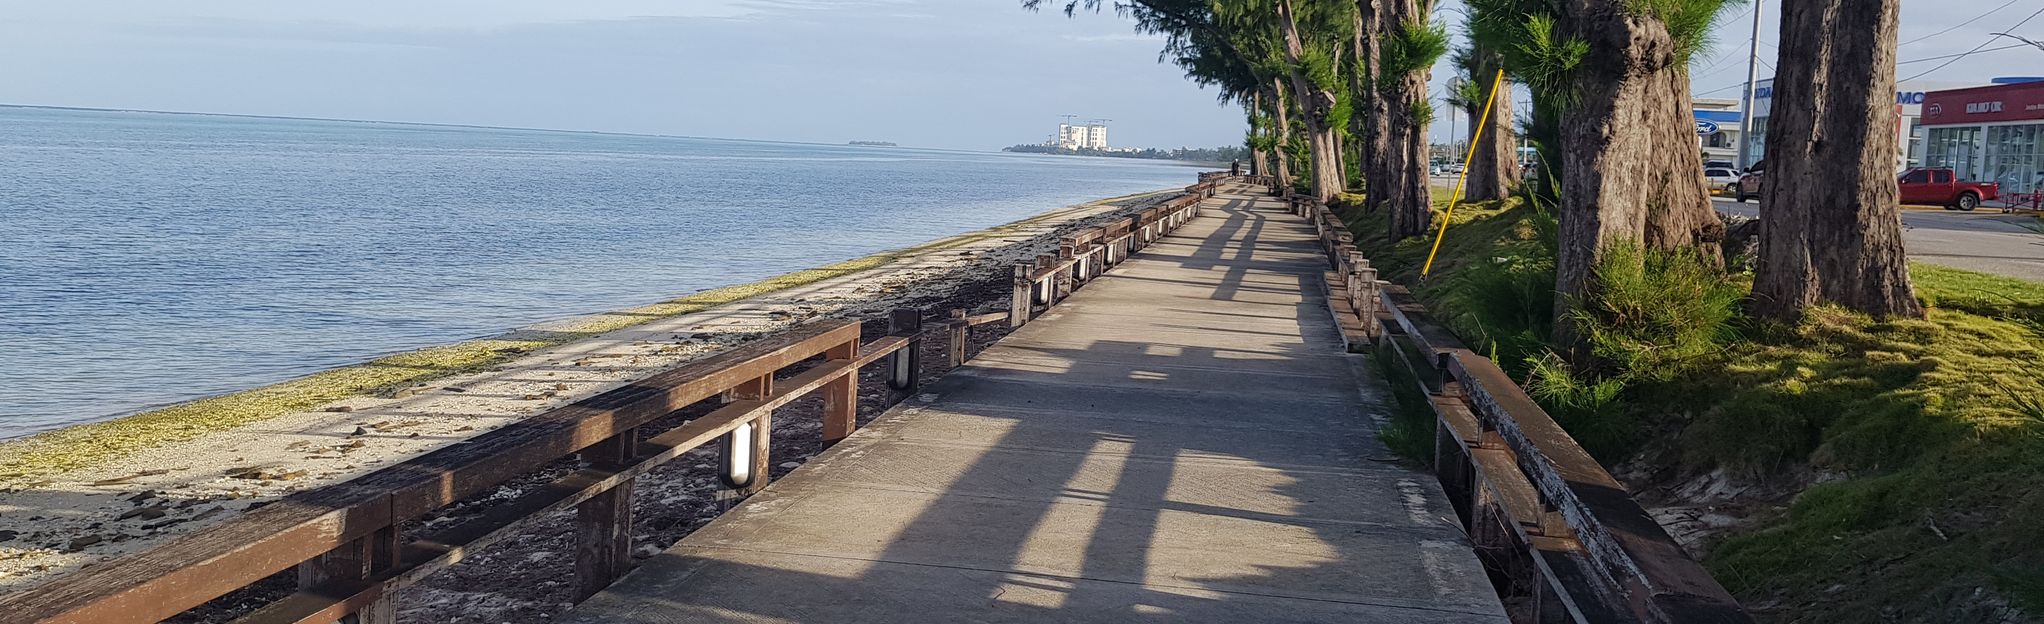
x=1705, y=127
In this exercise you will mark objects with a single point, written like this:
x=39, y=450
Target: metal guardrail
x=344, y=539
x=1564, y=540
x=1084, y=256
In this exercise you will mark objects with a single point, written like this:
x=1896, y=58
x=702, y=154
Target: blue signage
x=1705, y=127
x=1906, y=98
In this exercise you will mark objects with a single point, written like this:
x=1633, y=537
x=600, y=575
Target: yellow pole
x=1488, y=103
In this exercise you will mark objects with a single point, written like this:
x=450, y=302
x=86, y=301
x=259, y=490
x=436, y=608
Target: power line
x=1963, y=24
x=1940, y=58
x=1977, y=48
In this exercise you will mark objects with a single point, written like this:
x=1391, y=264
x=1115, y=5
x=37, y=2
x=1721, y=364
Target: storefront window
x=2012, y=157
x=1958, y=148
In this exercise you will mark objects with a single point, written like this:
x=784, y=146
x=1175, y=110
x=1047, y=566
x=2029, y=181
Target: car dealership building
x=1909, y=100
x=1988, y=134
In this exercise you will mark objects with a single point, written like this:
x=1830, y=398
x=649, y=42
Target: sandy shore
x=77, y=517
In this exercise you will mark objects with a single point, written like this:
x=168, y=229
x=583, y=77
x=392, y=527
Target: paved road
x=1183, y=440
x=1984, y=240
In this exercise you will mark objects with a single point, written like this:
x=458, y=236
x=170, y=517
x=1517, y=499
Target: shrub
x=1655, y=313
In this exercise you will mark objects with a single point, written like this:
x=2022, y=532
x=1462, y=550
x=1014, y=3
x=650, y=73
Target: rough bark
x=1259, y=159
x=1314, y=106
x=1494, y=167
x=1370, y=104
x=1280, y=162
x=1409, y=192
x=1831, y=226
x=1631, y=173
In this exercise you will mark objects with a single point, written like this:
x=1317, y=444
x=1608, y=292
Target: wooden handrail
x=1088, y=254
x=1537, y=506
x=344, y=538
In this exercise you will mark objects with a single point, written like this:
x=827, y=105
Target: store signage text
x=1906, y=98
x=1985, y=105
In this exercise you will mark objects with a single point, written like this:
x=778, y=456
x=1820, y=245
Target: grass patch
x=27, y=461
x=1929, y=433
x=1410, y=432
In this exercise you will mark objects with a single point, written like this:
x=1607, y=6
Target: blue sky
x=969, y=74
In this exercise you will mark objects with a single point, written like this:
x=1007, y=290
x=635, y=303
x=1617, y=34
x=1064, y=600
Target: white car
x=1722, y=179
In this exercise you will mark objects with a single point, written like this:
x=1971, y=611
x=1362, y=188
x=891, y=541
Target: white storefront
x=1908, y=128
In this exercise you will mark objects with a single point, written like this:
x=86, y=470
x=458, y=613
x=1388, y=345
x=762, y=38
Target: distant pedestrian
x=1235, y=168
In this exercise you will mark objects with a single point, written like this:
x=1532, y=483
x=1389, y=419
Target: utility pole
x=1451, y=130
x=1752, y=79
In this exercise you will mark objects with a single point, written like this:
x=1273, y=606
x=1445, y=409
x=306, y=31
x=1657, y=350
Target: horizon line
x=452, y=125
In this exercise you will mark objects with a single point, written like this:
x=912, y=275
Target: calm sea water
x=150, y=258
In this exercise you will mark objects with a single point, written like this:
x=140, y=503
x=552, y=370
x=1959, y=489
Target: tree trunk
x=1371, y=105
x=1831, y=224
x=1280, y=163
x=1410, y=191
x=1314, y=105
x=1631, y=172
x=1494, y=169
x=1259, y=163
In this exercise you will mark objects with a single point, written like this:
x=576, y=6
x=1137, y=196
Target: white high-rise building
x=1096, y=136
x=1074, y=137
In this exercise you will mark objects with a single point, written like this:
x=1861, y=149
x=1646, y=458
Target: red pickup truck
x=1923, y=186
x=1936, y=186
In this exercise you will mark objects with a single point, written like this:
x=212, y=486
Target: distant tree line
x=1201, y=154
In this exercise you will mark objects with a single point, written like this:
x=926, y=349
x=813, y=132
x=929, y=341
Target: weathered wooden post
x=1018, y=308
x=743, y=451
x=841, y=396
x=603, y=524
x=906, y=364
x=961, y=337
x=1068, y=251
x=358, y=560
x=1063, y=282
x=1046, y=288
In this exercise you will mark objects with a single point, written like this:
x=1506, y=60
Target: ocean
x=153, y=258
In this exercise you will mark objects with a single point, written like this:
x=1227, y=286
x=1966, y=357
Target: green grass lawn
x=1924, y=439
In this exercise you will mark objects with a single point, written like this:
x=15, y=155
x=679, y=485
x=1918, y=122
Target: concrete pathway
x=1182, y=441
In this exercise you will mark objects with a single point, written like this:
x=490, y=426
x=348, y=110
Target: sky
x=1929, y=28
x=962, y=74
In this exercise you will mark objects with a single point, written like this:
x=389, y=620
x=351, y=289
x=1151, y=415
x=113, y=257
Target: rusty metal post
x=603, y=524
x=961, y=336
x=906, y=364
x=841, y=396
x=1018, y=308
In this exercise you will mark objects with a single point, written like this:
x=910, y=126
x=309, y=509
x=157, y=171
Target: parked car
x=1938, y=186
x=1749, y=184
x=1722, y=179
x=1720, y=164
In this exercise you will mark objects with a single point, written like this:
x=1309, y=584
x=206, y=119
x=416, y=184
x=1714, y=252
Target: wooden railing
x=1564, y=540
x=1084, y=256
x=345, y=541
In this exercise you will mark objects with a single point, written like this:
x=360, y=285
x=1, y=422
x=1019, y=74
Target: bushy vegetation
x=1917, y=445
